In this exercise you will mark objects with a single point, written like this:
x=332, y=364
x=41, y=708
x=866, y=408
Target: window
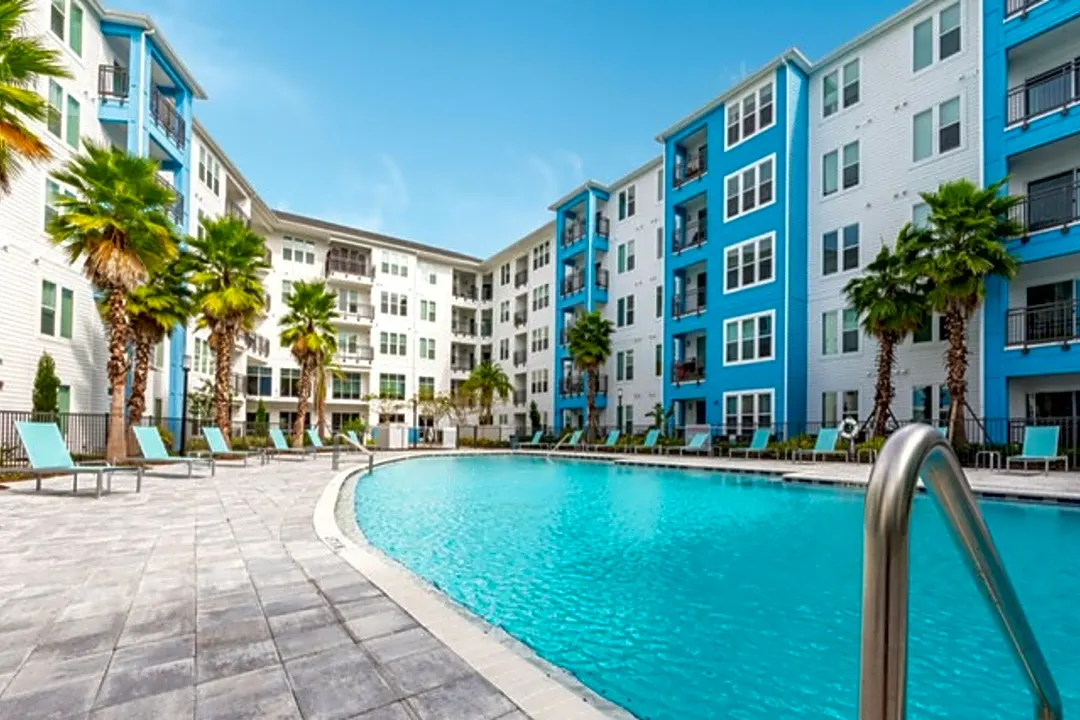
x=925, y=333
x=750, y=114
x=658, y=360
x=922, y=135
x=289, y=383
x=830, y=175
x=920, y=215
x=58, y=18
x=204, y=361
x=286, y=290
x=921, y=399
x=836, y=259
x=504, y=311
x=660, y=185
x=949, y=125
x=395, y=264
x=744, y=412
x=504, y=274
x=839, y=332
x=55, y=113
x=540, y=339
x=832, y=92
x=833, y=176
x=923, y=52
x=846, y=402
x=949, y=32
x=392, y=386
x=71, y=127
x=48, y=308
x=749, y=338
x=948, y=136
x=202, y=164
x=850, y=171
x=626, y=261
x=949, y=41
x=53, y=191
x=659, y=301
x=432, y=279
x=625, y=311
x=541, y=255
x=260, y=381
x=539, y=381
x=159, y=360
x=394, y=344
x=749, y=189
x=427, y=310
x=395, y=304
x=214, y=184
x=67, y=312
x=749, y=263
x=944, y=404
x=627, y=204
x=295, y=249
x=504, y=349
x=541, y=297
x=426, y=386
x=659, y=243
x=624, y=365
x=427, y=348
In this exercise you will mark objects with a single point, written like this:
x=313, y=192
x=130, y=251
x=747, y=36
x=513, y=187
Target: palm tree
x=660, y=416
x=589, y=343
x=153, y=310
x=485, y=382
x=23, y=60
x=326, y=370
x=963, y=246
x=891, y=308
x=116, y=223
x=229, y=295
x=307, y=329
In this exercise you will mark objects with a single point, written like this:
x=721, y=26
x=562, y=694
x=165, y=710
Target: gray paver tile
x=155, y=653
x=158, y=623
x=57, y=702
x=132, y=682
x=233, y=633
x=259, y=695
x=381, y=623
x=337, y=683
x=423, y=671
x=349, y=589
x=388, y=648
x=298, y=643
x=42, y=671
x=471, y=698
x=396, y=711
x=223, y=660
x=174, y=705
x=302, y=620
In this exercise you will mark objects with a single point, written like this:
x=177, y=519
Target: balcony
x=237, y=213
x=167, y=118
x=690, y=371
x=572, y=233
x=1052, y=91
x=520, y=357
x=486, y=293
x=1019, y=7
x=176, y=210
x=695, y=165
x=521, y=318
x=464, y=292
x=572, y=387
x=564, y=336
x=356, y=355
x=692, y=303
x=463, y=327
x=521, y=278
x=603, y=226
x=113, y=83
x=356, y=314
x=1043, y=324
x=1056, y=207
x=462, y=365
x=691, y=235
x=601, y=278
x=256, y=345
x=342, y=269
x=239, y=385
x=573, y=283
x=520, y=397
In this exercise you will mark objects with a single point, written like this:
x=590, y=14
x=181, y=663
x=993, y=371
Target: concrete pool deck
x=241, y=596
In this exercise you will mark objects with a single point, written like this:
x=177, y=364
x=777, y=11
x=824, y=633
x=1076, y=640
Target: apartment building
x=1031, y=83
x=609, y=258
x=894, y=113
x=736, y=205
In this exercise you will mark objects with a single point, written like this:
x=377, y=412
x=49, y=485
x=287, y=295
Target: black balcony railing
x=463, y=327
x=356, y=354
x=691, y=303
x=695, y=166
x=688, y=236
x=465, y=292
x=564, y=336
x=603, y=226
x=357, y=311
x=520, y=397
x=176, y=210
x=521, y=318
x=113, y=82
x=257, y=344
x=1050, y=323
x=461, y=365
x=572, y=233
x=234, y=211
x=520, y=357
x=691, y=371
x=571, y=387
x=167, y=118
x=1019, y=7
x=602, y=277
x=573, y=283
x=349, y=267
x=1050, y=208
x=1052, y=90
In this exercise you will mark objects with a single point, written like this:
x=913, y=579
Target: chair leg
x=138, y=480
x=213, y=466
x=74, y=483
x=98, y=491
x=37, y=484
x=190, y=469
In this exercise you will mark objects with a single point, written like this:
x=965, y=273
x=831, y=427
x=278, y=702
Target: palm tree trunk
x=956, y=362
x=592, y=421
x=884, y=391
x=320, y=400
x=115, y=444
x=302, y=405
x=137, y=402
x=223, y=347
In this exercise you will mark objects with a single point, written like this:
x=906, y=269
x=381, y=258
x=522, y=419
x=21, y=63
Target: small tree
x=262, y=420
x=534, y=417
x=46, y=386
x=660, y=417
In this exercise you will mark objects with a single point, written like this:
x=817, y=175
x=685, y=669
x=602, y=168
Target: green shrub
x=483, y=443
x=166, y=436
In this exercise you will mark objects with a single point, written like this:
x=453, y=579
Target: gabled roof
x=147, y=23
x=597, y=185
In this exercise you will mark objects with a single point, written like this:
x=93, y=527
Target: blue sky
x=457, y=122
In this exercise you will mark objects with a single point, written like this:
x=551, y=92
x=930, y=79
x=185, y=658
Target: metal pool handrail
x=915, y=450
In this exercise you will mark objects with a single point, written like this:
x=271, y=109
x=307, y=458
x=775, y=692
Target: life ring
x=848, y=428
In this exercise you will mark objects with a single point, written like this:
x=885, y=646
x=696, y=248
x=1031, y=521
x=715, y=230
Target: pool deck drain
x=241, y=596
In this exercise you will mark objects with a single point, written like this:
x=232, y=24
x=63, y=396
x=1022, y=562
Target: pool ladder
x=913, y=451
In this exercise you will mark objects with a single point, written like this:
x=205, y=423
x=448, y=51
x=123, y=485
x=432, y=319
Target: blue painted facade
x=697, y=373
x=1028, y=126
x=581, y=240
x=148, y=109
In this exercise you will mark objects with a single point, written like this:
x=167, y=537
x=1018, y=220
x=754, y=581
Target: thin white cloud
x=373, y=202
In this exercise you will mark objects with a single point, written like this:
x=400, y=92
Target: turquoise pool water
x=697, y=595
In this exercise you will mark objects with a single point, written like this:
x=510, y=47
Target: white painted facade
x=882, y=121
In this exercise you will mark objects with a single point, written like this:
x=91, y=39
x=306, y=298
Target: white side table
x=993, y=459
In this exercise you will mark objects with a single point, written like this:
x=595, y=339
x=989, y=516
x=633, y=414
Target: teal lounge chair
x=649, y=444
x=1040, y=446
x=534, y=443
x=825, y=446
x=352, y=439
x=758, y=444
x=48, y=455
x=608, y=444
x=154, y=452
x=696, y=445
x=569, y=442
x=215, y=441
x=316, y=441
x=281, y=446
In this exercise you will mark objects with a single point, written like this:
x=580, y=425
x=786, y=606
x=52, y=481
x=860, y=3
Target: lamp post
x=619, y=412
x=415, y=432
x=183, y=404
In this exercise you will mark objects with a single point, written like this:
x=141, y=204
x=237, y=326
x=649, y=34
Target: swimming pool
x=701, y=595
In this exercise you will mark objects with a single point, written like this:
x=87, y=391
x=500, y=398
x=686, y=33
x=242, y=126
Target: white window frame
x=740, y=103
x=936, y=128
x=840, y=414
x=839, y=153
x=837, y=75
x=935, y=37
x=738, y=322
x=740, y=394
x=738, y=247
x=840, y=313
x=738, y=174
x=840, y=250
